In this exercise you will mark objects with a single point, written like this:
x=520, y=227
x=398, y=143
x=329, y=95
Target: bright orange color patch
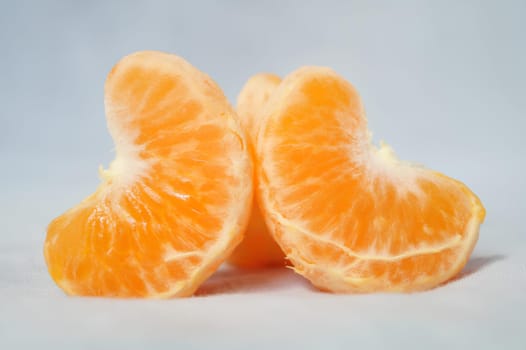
x=174, y=202
x=352, y=217
x=258, y=248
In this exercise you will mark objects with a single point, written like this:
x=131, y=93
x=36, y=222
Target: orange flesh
x=351, y=217
x=258, y=248
x=159, y=223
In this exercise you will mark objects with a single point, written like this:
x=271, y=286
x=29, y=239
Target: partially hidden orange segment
x=175, y=201
x=252, y=99
x=352, y=217
x=258, y=248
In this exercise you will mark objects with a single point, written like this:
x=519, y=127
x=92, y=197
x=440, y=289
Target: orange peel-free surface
x=258, y=249
x=175, y=201
x=349, y=216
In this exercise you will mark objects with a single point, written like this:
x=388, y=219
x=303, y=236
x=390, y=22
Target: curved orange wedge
x=349, y=216
x=174, y=202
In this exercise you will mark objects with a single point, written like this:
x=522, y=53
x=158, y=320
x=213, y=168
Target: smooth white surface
x=482, y=309
x=442, y=82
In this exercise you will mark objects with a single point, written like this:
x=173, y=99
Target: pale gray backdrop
x=443, y=82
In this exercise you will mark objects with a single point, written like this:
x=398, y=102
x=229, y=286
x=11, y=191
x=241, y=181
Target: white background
x=443, y=82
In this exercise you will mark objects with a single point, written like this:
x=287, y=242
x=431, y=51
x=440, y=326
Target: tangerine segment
x=258, y=249
x=352, y=217
x=175, y=201
x=252, y=99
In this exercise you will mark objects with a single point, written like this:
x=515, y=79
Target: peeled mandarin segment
x=252, y=98
x=258, y=248
x=349, y=216
x=174, y=202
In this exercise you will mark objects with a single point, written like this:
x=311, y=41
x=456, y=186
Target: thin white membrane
x=294, y=229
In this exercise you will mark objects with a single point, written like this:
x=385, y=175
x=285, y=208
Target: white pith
x=128, y=165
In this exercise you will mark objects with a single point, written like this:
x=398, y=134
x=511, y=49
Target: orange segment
x=175, y=201
x=352, y=217
x=252, y=99
x=258, y=248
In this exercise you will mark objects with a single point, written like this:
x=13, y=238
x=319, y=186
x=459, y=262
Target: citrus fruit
x=258, y=249
x=175, y=201
x=252, y=98
x=350, y=216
